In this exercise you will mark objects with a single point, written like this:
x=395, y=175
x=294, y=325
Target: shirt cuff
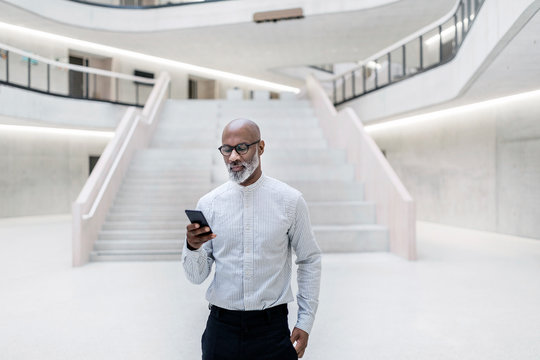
x=305, y=323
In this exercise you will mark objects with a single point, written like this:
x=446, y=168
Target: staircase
x=147, y=220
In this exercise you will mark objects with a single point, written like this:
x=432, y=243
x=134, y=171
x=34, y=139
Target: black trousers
x=248, y=335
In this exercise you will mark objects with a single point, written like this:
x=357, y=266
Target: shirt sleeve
x=308, y=259
x=197, y=263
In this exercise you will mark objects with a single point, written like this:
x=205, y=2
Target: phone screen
x=197, y=217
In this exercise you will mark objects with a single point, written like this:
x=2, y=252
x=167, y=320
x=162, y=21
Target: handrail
x=167, y=3
x=394, y=205
x=91, y=207
x=44, y=75
x=111, y=154
x=83, y=69
x=458, y=10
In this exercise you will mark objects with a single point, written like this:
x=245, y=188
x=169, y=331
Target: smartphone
x=197, y=217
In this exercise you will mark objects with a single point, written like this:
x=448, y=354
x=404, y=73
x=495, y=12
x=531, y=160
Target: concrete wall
x=179, y=17
x=18, y=104
x=43, y=173
x=478, y=168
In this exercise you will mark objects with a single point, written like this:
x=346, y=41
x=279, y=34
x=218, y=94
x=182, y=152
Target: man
x=256, y=221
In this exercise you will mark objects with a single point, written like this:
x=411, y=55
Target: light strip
x=56, y=131
x=452, y=111
x=155, y=59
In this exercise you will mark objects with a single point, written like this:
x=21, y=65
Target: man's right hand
x=195, y=239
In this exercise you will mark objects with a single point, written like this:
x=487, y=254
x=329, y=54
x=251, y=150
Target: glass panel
x=466, y=14
x=18, y=69
x=359, y=81
x=101, y=88
x=382, y=71
x=370, y=73
x=431, y=48
x=126, y=91
x=38, y=78
x=59, y=80
x=349, y=85
x=141, y=2
x=459, y=27
x=144, y=93
x=448, y=40
x=3, y=64
x=412, y=56
x=396, y=64
x=336, y=90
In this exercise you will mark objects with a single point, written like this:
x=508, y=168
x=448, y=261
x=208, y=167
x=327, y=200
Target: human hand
x=301, y=338
x=194, y=238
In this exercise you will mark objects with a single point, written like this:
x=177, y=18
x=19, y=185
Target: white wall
x=43, y=173
x=32, y=106
x=495, y=21
x=478, y=169
x=179, y=17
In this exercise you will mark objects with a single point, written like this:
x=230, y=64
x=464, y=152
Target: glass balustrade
x=22, y=70
x=407, y=58
x=142, y=4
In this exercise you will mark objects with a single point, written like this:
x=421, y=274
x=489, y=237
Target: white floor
x=471, y=295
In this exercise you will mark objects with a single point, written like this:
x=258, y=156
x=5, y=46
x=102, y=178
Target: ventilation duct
x=277, y=15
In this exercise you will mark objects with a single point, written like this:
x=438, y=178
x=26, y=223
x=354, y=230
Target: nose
x=234, y=156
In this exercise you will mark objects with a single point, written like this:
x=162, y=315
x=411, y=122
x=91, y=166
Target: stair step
x=141, y=234
x=140, y=245
x=135, y=255
x=341, y=212
x=352, y=238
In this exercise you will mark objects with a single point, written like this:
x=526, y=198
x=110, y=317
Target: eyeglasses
x=241, y=149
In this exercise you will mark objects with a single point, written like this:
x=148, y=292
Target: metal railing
x=142, y=4
x=29, y=71
x=420, y=52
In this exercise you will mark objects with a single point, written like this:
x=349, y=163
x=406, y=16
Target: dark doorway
x=92, y=163
x=76, y=78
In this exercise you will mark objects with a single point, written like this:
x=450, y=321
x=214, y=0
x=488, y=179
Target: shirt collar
x=251, y=187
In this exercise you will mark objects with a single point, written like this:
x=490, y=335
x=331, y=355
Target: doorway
x=201, y=88
x=83, y=85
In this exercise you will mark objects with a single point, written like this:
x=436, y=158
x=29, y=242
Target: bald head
x=242, y=128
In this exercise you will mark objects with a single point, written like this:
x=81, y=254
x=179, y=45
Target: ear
x=261, y=147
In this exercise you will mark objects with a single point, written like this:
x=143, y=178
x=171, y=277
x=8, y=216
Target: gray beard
x=249, y=168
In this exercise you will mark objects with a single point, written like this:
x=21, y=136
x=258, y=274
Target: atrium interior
x=411, y=127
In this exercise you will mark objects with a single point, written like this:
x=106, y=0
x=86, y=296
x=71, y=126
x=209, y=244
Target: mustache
x=236, y=163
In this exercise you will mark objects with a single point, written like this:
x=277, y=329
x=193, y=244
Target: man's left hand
x=301, y=338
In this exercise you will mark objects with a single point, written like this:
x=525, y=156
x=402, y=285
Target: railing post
x=404, y=49
x=48, y=78
x=29, y=63
x=469, y=13
x=455, y=34
x=440, y=44
x=376, y=75
x=389, y=68
x=363, y=79
x=462, y=5
x=421, y=52
x=334, y=88
x=353, y=75
x=87, y=83
x=343, y=96
x=7, y=66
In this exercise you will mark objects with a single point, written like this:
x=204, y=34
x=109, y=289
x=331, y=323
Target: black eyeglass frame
x=239, y=151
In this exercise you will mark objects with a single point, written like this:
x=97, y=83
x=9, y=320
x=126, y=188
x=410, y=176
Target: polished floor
x=471, y=295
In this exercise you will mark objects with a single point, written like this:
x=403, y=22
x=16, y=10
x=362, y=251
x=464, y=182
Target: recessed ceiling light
x=87, y=45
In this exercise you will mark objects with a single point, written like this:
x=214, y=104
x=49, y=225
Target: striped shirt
x=257, y=227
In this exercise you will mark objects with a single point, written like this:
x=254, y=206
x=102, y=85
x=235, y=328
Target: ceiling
x=258, y=50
